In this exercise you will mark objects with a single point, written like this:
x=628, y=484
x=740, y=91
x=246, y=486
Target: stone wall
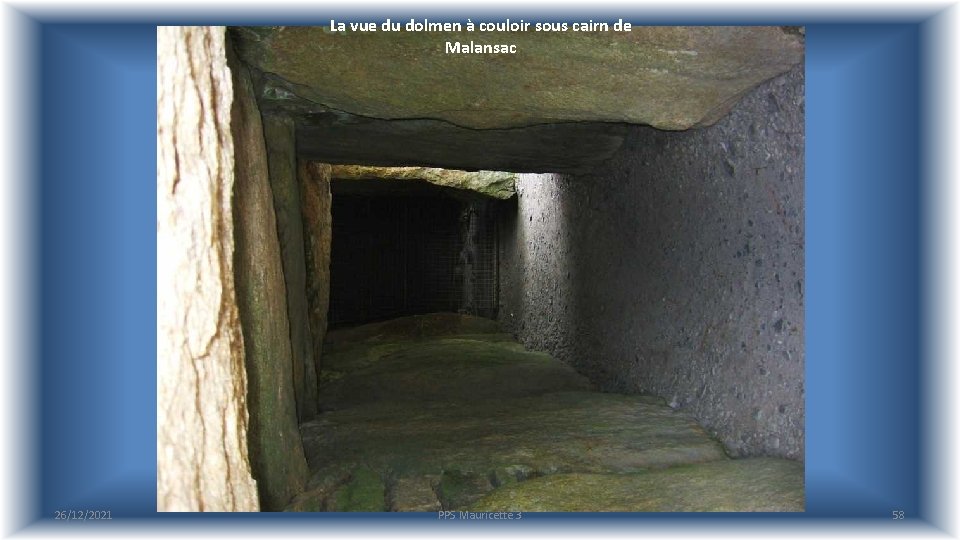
x=677, y=269
x=276, y=451
x=315, y=200
x=202, y=459
x=278, y=133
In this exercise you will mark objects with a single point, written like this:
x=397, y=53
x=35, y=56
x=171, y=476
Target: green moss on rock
x=746, y=485
x=364, y=492
x=442, y=369
x=459, y=489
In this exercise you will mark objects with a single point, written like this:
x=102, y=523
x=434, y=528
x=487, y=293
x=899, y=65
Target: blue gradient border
x=95, y=375
x=863, y=302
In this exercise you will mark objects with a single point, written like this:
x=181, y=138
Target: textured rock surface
x=678, y=270
x=202, y=459
x=426, y=442
x=508, y=436
x=404, y=329
x=348, y=139
x=278, y=133
x=669, y=77
x=276, y=452
x=744, y=485
x=393, y=367
x=496, y=184
x=315, y=200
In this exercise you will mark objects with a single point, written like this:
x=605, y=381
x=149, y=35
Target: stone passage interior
x=448, y=412
x=570, y=280
x=412, y=249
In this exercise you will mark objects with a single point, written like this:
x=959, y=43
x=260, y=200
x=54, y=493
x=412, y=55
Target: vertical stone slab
x=202, y=459
x=276, y=450
x=315, y=201
x=279, y=135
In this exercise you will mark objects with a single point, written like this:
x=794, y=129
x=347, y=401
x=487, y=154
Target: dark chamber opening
x=410, y=250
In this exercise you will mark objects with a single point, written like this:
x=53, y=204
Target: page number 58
x=898, y=514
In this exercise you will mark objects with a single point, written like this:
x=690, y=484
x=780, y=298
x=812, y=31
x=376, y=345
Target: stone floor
x=446, y=412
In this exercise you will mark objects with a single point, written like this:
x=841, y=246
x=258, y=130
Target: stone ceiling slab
x=346, y=139
x=496, y=184
x=669, y=77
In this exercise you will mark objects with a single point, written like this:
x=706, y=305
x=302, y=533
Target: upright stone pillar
x=278, y=133
x=276, y=450
x=315, y=201
x=202, y=459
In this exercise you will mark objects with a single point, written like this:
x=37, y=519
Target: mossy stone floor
x=444, y=411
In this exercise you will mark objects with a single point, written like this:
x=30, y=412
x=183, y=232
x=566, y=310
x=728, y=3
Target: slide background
x=79, y=209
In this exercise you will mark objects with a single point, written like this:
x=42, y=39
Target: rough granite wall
x=678, y=270
x=315, y=201
x=202, y=459
x=278, y=133
x=276, y=450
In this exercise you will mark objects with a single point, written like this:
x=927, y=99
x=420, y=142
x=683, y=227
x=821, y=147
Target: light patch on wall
x=497, y=184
